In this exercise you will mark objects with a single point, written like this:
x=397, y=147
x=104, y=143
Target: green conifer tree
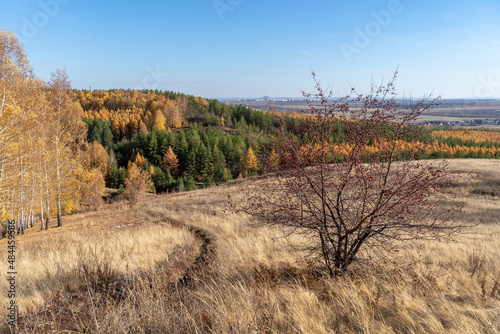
x=153, y=156
x=191, y=163
x=219, y=161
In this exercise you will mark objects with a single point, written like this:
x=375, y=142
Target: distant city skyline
x=239, y=48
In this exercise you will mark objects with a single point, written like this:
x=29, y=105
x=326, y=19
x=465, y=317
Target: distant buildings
x=472, y=122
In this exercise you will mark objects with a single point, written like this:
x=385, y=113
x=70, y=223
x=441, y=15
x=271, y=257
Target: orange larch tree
x=137, y=183
x=249, y=162
x=170, y=162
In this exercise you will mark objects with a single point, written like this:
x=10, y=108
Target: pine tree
x=115, y=177
x=243, y=124
x=123, y=175
x=171, y=183
x=164, y=141
x=210, y=169
x=154, y=158
x=190, y=184
x=219, y=160
x=160, y=180
x=236, y=153
x=203, y=163
x=182, y=149
x=210, y=182
x=191, y=162
x=180, y=185
x=107, y=137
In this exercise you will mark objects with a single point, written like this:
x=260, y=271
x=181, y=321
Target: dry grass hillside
x=187, y=263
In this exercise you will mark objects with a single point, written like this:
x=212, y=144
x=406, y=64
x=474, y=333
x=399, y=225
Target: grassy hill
x=187, y=262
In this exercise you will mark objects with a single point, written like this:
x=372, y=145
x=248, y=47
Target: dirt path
x=207, y=250
x=57, y=312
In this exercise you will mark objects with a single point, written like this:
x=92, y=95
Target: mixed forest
x=60, y=148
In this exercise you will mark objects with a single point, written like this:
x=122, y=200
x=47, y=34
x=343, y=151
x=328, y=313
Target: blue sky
x=252, y=48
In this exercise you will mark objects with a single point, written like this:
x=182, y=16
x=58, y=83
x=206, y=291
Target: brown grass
x=256, y=282
x=113, y=240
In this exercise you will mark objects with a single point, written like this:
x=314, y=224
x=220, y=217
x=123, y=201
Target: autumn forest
x=60, y=148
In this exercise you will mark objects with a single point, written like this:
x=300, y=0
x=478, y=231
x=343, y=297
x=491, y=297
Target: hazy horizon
x=236, y=48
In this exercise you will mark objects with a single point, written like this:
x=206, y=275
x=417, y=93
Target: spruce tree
x=181, y=149
x=107, y=137
x=180, y=185
x=191, y=163
x=202, y=161
x=170, y=181
x=159, y=180
x=219, y=160
x=153, y=156
x=115, y=177
x=190, y=184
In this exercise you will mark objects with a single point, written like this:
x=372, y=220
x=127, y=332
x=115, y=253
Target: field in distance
x=478, y=113
x=186, y=262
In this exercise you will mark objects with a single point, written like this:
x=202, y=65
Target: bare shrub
x=361, y=193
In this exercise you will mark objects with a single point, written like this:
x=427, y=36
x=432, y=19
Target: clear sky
x=252, y=48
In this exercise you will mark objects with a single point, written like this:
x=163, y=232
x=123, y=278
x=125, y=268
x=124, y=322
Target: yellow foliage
x=92, y=187
x=142, y=127
x=472, y=135
x=159, y=120
x=140, y=161
x=204, y=103
x=274, y=160
x=137, y=183
x=250, y=161
x=99, y=158
x=170, y=162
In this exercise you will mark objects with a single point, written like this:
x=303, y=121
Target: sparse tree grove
x=41, y=145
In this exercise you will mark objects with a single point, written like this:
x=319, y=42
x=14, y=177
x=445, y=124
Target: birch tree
x=68, y=131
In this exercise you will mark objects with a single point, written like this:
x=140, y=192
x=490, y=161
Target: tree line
x=212, y=142
x=178, y=160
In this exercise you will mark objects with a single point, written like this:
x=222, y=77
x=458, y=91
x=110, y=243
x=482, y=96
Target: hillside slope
x=253, y=281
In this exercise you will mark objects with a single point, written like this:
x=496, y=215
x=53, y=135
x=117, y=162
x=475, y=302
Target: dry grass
x=257, y=282
x=113, y=241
